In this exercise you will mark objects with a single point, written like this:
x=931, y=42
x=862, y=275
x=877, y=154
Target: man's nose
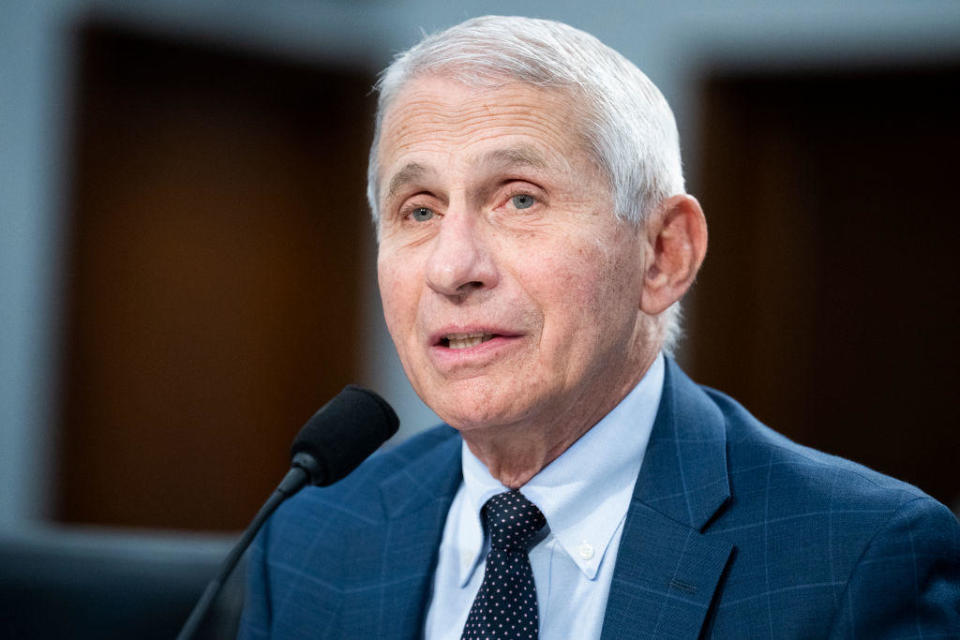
x=461, y=260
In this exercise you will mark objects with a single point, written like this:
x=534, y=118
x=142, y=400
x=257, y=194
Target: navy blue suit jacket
x=733, y=531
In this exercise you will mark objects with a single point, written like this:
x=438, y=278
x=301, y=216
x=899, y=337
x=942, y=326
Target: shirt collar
x=585, y=493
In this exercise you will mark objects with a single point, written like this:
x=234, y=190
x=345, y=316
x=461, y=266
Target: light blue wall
x=672, y=41
x=32, y=91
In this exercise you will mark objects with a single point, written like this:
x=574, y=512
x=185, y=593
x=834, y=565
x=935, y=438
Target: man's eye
x=421, y=214
x=523, y=201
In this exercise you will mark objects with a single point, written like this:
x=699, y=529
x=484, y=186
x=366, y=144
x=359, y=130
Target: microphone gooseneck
x=332, y=444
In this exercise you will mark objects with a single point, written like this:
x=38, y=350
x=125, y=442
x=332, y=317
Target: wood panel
x=214, y=274
x=829, y=299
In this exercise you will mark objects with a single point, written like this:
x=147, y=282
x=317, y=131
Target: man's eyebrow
x=523, y=155
x=409, y=173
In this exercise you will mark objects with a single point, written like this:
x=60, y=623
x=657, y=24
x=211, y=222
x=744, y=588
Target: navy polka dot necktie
x=506, y=605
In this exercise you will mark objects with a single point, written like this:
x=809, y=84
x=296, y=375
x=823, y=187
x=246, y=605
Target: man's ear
x=676, y=242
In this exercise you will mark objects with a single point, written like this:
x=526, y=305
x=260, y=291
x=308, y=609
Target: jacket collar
x=416, y=500
x=434, y=476
x=667, y=570
x=684, y=473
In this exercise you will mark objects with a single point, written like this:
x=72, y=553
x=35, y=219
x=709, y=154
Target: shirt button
x=585, y=550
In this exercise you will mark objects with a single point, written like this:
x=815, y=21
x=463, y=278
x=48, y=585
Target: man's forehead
x=438, y=105
x=436, y=123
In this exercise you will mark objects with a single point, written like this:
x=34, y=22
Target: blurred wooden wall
x=213, y=275
x=829, y=303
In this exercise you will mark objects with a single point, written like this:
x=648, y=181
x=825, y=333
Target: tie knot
x=511, y=520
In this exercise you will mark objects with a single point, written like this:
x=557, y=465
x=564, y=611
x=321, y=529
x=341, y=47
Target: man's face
x=509, y=287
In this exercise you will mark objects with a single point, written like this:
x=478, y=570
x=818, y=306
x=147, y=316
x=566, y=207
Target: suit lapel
x=667, y=571
x=416, y=513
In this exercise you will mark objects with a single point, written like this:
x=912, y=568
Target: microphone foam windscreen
x=344, y=432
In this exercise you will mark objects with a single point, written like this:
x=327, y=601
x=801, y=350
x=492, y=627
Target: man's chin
x=488, y=400
x=478, y=417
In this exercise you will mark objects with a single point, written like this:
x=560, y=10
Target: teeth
x=467, y=340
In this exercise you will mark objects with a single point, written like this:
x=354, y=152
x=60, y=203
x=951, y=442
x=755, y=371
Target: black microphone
x=332, y=444
x=342, y=434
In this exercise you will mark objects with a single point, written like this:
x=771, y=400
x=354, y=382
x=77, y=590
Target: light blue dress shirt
x=584, y=495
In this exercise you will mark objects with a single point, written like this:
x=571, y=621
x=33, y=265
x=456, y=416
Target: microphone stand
x=332, y=444
x=296, y=478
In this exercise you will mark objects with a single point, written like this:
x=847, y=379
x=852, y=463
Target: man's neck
x=516, y=453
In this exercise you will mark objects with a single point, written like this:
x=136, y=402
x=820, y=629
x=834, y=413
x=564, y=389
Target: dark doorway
x=829, y=300
x=214, y=274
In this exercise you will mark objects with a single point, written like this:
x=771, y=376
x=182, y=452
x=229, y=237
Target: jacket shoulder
x=872, y=556
x=760, y=456
x=357, y=495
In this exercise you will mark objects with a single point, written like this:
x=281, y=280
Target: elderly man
x=534, y=241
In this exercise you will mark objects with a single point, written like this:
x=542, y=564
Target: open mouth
x=465, y=340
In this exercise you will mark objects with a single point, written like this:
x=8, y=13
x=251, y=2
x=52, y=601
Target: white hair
x=628, y=125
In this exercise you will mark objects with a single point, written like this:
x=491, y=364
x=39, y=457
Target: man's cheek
x=398, y=323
